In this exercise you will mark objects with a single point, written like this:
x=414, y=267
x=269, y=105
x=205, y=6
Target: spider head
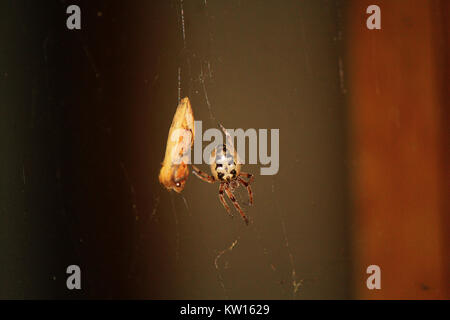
x=233, y=184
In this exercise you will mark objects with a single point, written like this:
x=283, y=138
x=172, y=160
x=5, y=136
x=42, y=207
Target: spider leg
x=229, y=141
x=222, y=199
x=236, y=204
x=249, y=190
x=202, y=175
x=249, y=176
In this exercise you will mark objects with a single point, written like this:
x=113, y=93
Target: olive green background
x=84, y=117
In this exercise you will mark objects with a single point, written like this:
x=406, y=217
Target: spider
x=226, y=168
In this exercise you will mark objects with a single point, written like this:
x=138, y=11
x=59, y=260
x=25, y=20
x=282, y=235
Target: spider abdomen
x=224, y=165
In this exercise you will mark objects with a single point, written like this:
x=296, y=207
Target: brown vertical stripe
x=396, y=136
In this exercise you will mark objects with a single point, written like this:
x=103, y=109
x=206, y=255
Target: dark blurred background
x=84, y=118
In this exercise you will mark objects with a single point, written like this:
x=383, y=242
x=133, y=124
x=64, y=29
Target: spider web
x=223, y=249
x=220, y=259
